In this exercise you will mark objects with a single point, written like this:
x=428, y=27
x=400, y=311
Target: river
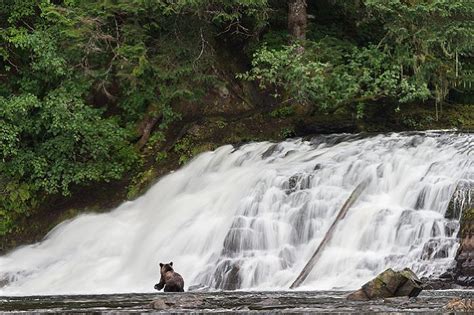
x=249, y=218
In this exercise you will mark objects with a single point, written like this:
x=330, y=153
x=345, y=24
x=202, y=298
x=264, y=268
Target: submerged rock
x=389, y=283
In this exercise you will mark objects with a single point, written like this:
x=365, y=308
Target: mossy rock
x=468, y=215
x=467, y=223
x=140, y=183
x=387, y=284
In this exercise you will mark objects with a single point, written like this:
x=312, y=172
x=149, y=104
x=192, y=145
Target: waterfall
x=250, y=218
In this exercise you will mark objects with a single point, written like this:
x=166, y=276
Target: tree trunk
x=297, y=19
x=146, y=126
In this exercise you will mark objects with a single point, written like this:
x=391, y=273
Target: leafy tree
x=412, y=57
x=363, y=75
x=47, y=145
x=426, y=38
x=84, y=83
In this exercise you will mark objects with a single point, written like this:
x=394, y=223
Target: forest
x=96, y=91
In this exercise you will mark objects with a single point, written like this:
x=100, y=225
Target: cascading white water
x=251, y=217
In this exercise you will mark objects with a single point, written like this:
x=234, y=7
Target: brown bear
x=170, y=280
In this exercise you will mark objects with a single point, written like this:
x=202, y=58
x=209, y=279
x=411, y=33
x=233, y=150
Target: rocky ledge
x=464, y=273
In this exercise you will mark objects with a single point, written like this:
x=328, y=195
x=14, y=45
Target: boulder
x=389, y=283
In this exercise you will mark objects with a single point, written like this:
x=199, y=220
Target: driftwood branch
x=342, y=213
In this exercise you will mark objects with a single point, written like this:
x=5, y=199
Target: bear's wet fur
x=170, y=280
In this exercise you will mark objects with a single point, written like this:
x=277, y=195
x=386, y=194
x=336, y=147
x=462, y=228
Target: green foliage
x=414, y=122
x=184, y=148
x=426, y=36
x=363, y=74
x=221, y=124
x=139, y=183
x=283, y=112
x=409, y=55
x=287, y=132
x=48, y=145
x=160, y=157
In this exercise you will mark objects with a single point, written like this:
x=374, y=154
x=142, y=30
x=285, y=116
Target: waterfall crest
x=250, y=218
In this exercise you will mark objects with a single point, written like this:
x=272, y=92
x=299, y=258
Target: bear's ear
x=171, y=264
x=161, y=265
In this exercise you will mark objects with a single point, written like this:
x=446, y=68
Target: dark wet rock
x=292, y=181
x=420, y=201
x=388, y=284
x=298, y=182
x=435, y=230
x=199, y=288
x=4, y=281
x=444, y=282
x=380, y=170
x=437, y=248
x=227, y=276
x=450, y=228
x=416, y=141
x=460, y=305
x=461, y=200
x=405, y=219
x=464, y=270
x=269, y=152
x=232, y=278
x=307, y=126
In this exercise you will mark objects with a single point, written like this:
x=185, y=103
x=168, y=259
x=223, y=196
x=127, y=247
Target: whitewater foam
x=250, y=218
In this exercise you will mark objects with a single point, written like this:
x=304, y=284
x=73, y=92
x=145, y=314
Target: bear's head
x=164, y=268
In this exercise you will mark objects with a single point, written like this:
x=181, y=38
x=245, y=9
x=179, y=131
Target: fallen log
x=342, y=213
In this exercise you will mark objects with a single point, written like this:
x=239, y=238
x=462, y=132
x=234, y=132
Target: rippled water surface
x=230, y=302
